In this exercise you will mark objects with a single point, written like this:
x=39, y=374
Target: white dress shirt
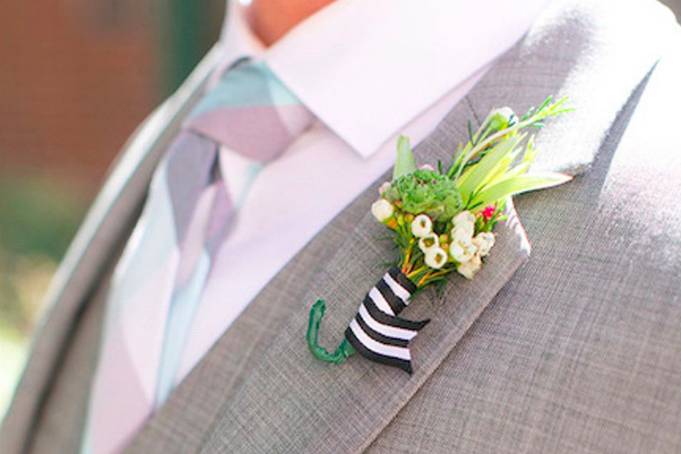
x=369, y=71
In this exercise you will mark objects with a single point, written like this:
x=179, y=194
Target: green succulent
x=426, y=191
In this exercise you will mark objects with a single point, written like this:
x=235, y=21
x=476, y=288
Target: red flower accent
x=488, y=212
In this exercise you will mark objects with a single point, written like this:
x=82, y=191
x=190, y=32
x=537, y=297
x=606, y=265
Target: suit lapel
x=195, y=404
x=291, y=402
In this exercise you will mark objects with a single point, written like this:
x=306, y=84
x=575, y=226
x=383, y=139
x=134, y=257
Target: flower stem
x=417, y=271
x=406, y=265
x=344, y=349
x=425, y=280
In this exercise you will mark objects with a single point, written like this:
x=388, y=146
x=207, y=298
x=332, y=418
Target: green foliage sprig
x=443, y=219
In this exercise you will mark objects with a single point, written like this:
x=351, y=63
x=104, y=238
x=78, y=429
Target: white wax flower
x=484, y=242
x=462, y=251
x=463, y=233
x=382, y=210
x=428, y=242
x=469, y=268
x=436, y=257
x=421, y=226
x=463, y=218
x=464, y=226
x=384, y=187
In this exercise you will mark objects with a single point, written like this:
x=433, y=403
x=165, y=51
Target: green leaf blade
x=483, y=169
x=518, y=184
x=405, y=162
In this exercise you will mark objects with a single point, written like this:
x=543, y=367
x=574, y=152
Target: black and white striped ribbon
x=376, y=332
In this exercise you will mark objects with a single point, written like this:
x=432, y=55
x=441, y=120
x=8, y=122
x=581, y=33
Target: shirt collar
x=367, y=68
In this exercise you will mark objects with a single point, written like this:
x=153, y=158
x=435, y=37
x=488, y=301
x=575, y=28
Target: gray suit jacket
x=576, y=348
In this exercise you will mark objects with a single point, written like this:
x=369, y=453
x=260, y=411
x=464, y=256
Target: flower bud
x=484, y=242
x=384, y=187
x=488, y=212
x=465, y=217
x=469, y=268
x=421, y=226
x=428, y=242
x=382, y=210
x=501, y=118
x=436, y=258
x=462, y=252
x=463, y=233
x=464, y=227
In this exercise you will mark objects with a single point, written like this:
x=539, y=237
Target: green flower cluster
x=426, y=191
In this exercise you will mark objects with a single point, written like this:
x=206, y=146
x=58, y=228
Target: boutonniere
x=442, y=221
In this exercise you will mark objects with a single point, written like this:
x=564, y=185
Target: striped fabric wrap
x=377, y=332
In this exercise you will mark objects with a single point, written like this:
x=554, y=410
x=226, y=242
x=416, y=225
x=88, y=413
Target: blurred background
x=76, y=78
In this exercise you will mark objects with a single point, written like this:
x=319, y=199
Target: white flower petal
x=461, y=251
x=465, y=217
x=382, y=210
x=463, y=233
x=436, y=258
x=484, y=242
x=471, y=267
x=421, y=226
x=429, y=242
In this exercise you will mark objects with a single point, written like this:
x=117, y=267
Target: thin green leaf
x=518, y=170
x=501, y=170
x=405, y=162
x=530, y=151
x=469, y=183
x=518, y=184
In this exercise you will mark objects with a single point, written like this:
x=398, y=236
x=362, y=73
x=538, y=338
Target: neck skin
x=271, y=19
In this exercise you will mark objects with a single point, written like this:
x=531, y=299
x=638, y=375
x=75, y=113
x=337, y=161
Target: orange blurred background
x=76, y=78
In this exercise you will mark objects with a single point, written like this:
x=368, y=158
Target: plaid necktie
x=159, y=280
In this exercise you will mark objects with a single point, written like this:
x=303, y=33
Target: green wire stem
x=344, y=349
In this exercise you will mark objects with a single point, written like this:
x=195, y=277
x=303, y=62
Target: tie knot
x=251, y=112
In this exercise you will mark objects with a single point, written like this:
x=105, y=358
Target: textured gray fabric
x=581, y=352
x=290, y=403
x=194, y=406
x=577, y=352
x=58, y=427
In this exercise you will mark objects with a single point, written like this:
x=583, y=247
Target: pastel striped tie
x=158, y=282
